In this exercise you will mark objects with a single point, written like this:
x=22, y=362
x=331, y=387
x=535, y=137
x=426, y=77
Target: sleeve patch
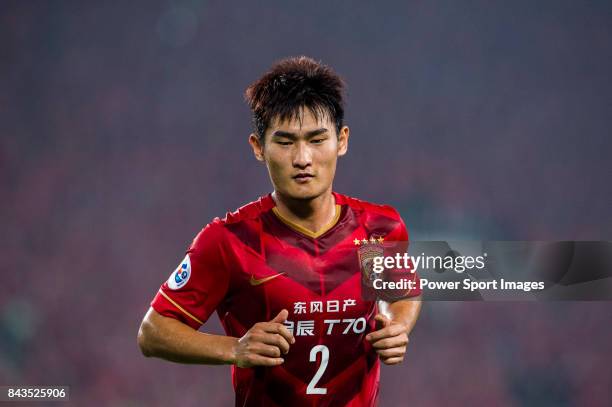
x=180, y=276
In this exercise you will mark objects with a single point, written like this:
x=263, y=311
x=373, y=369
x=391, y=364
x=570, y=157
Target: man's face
x=301, y=157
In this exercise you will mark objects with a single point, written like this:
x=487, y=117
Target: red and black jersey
x=253, y=263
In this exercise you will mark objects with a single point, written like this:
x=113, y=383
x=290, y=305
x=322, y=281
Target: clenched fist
x=265, y=343
x=390, y=341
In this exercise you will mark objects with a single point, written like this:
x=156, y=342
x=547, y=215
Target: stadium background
x=123, y=131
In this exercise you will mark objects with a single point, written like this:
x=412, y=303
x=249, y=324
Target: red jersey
x=253, y=263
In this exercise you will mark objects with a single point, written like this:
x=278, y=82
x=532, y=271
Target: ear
x=343, y=138
x=256, y=146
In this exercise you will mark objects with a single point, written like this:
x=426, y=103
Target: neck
x=312, y=214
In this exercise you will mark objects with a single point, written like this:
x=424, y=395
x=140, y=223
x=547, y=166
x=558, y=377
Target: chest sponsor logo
x=333, y=310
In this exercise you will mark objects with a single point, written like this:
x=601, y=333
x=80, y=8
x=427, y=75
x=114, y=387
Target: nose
x=302, y=156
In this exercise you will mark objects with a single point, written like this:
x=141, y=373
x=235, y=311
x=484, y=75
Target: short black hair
x=291, y=85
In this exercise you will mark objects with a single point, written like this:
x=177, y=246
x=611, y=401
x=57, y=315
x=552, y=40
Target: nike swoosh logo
x=254, y=281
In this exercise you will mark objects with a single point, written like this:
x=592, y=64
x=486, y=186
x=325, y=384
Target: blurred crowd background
x=123, y=131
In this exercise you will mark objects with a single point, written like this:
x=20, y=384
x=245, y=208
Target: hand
x=264, y=343
x=390, y=341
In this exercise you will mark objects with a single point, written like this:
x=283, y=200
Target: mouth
x=303, y=177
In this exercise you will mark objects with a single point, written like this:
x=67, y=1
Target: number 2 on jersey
x=311, y=389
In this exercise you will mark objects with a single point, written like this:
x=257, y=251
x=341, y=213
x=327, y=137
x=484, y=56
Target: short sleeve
x=200, y=281
x=399, y=244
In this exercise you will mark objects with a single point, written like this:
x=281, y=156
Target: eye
x=317, y=140
x=284, y=143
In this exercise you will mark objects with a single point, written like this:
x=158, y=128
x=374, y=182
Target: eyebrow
x=289, y=135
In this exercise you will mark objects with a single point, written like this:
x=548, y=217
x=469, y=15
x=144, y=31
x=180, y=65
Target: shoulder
x=251, y=211
x=377, y=219
x=248, y=212
x=238, y=222
x=360, y=205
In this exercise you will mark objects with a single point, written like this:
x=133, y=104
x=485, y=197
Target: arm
x=166, y=333
x=405, y=312
x=397, y=319
x=170, y=339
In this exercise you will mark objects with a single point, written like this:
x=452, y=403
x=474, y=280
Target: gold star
x=364, y=241
x=372, y=239
x=356, y=241
x=380, y=239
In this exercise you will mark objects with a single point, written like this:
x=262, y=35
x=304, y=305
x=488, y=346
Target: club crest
x=367, y=251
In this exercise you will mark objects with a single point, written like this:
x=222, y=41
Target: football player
x=285, y=273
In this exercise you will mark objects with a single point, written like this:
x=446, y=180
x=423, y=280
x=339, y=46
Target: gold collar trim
x=305, y=231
